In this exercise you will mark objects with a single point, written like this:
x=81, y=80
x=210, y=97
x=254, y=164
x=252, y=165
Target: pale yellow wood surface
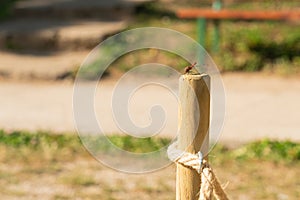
x=194, y=97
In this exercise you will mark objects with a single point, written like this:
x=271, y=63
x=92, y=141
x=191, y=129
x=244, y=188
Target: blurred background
x=44, y=42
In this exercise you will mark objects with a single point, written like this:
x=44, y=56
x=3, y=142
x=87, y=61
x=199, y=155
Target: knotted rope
x=209, y=182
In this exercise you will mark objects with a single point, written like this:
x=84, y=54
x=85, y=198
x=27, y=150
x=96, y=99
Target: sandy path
x=258, y=106
x=18, y=66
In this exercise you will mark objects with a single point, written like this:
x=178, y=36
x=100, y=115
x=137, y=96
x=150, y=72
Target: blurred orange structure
x=217, y=14
x=239, y=14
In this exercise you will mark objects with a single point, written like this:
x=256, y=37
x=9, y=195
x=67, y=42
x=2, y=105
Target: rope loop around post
x=209, y=182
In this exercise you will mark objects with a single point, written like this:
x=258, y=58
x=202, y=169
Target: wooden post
x=193, y=93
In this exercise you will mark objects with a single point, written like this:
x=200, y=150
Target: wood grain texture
x=194, y=97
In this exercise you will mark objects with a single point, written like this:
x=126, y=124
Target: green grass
x=251, y=46
x=139, y=145
x=78, y=179
x=270, y=150
x=263, y=150
x=286, y=151
x=35, y=140
x=44, y=161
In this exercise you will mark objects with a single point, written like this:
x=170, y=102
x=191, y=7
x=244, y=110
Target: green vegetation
x=264, y=150
x=91, y=71
x=139, y=57
x=36, y=140
x=139, y=145
x=78, y=179
x=43, y=161
x=126, y=62
x=245, y=46
x=259, y=46
x=271, y=46
x=263, y=4
x=5, y=8
x=270, y=150
x=286, y=151
x=44, y=146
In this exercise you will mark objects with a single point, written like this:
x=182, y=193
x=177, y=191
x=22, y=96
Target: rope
x=209, y=182
x=206, y=188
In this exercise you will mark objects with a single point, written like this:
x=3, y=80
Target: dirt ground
x=257, y=106
x=41, y=175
